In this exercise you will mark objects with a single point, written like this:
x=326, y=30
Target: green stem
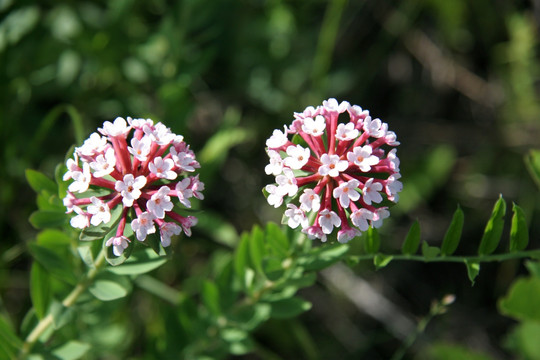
x=460, y=259
x=68, y=301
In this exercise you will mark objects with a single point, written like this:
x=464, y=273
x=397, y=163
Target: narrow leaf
x=241, y=255
x=412, y=241
x=519, y=233
x=256, y=248
x=381, y=260
x=473, y=268
x=532, y=160
x=323, y=256
x=140, y=262
x=210, y=297
x=494, y=227
x=40, y=182
x=453, y=234
x=40, y=290
x=276, y=239
x=8, y=340
x=372, y=242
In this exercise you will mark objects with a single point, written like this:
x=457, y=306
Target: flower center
x=332, y=166
x=360, y=158
x=130, y=188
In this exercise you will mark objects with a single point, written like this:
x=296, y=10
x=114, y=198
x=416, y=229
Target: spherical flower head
x=140, y=168
x=343, y=165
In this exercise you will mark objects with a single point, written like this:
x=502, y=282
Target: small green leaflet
x=453, y=234
x=494, y=227
x=412, y=241
x=519, y=233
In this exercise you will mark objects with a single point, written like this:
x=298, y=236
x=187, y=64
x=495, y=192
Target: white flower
x=391, y=138
x=143, y=225
x=287, y=182
x=100, y=211
x=167, y=230
x=356, y=112
x=95, y=144
x=310, y=200
x=278, y=138
x=118, y=128
x=298, y=157
x=327, y=220
x=332, y=165
x=160, y=202
x=375, y=127
x=275, y=167
x=309, y=111
x=81, y=221
x=275, y=195
x=360, y=218
x=184, y=192
x=159, y=134
x=140, y=123
x=104, y=164
x=346, y=235
x=393, y=187
x=82, y=179
x=362, y=157
x=296, y=217
x=162, y=168
x=314, y=127
x=119, y=244
x=130, y=188
x=332, y=105
x=140, y=148
x=187, y=223
x=371, y=192
x=380, y=214
x=315, y=232
x=346, y=132
x=346, y=192
x=72, y=166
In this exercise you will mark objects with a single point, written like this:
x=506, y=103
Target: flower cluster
x=338, y=171
x=143, y=175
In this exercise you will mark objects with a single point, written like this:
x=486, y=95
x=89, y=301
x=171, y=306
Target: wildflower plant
x=333, y=174
x=132, y=174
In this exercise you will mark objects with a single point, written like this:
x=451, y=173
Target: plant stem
x=68, y=301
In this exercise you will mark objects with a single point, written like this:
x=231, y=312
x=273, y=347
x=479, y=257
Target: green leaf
x=210, y=297
x=473, y=268
x=381, y=260
x=53, y=263
x=522, y=300
x=40, y=290
x=40, y=182
x=61, y=314
x=9, y=342
x=442, y=351
x=323, y=256
x=72, y=350
x=140, y=262
x=519, y=233
x=288, y=308
x=276, y=239
x=532, y=161
x=523, y=341
x=241, y=255
x=494, y=227
x=429, y=252
x=93, y=233
x=48, y=218
x=372, y=242
x=256, y=249
x=453, y=234
x=107, y=289
x=412, y=241
x=53, y=238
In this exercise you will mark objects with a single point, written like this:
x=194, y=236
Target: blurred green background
x=458, y=81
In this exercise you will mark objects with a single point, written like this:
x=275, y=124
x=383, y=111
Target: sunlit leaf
x=140, y=262
x=210, y=297
x=519, y=233
x=412, y=241
x=323, y=256
x=372, y=242
x=107, y=289
x=494, y=227
x=72, y=350
x=40, y=290
x=9, y=342
x=453, y=234
x=381, y=260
